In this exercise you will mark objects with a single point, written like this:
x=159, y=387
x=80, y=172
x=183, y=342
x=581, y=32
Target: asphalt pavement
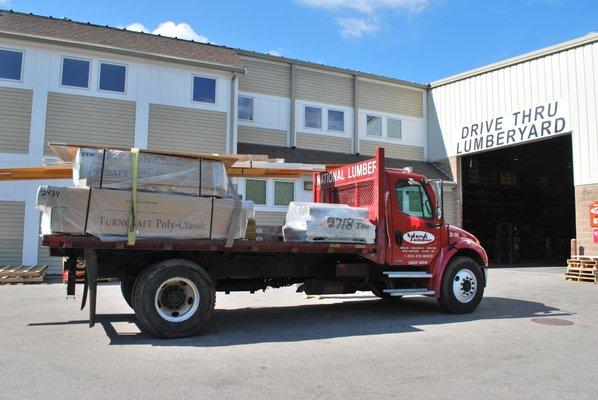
x=533, y=336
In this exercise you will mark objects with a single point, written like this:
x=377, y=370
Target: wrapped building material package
x=157, y=172
x=322, y=222
x=106, y=214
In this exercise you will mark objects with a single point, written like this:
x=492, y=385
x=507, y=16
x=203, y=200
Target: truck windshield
x=412, y=199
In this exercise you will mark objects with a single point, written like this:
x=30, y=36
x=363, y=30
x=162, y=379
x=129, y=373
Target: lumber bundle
x=322, y=222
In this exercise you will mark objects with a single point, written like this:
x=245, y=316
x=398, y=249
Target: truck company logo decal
x=418, y=237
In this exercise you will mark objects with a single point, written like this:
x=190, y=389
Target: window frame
x=328, y=110
x=265, y=194
x=274, y=181
x=20, y=80
x=305, y=107
x=381, y=118
x=100, y=62
x=215, y=79
x=89, y=61
x=400, y=138
x=252, y=108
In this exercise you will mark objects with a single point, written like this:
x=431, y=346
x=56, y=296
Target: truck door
x=416, y=222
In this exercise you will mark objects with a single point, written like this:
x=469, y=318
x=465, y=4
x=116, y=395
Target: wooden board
x=22, y=273
x=67, y=151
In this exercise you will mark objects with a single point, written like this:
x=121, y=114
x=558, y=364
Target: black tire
x=449, y=299
x=146, y=305
x=126, y=288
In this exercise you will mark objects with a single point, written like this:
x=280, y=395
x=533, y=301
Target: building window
x=11, y=64
x=255, y=190
x=75, y=73
x=204, y=89
x=313, y=117
x=245, y=108
x=393, y=128
x=374, y=126
x=284, y=193
x=336, y=121
x=112, y=77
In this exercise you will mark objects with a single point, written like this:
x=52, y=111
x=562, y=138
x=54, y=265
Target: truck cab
x=418, y=252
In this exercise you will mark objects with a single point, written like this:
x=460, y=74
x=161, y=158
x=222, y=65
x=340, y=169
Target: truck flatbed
x=59, y=242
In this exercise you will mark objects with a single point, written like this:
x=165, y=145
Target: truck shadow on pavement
x=322, y=321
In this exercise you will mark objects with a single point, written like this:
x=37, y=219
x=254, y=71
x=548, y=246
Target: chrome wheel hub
x=177, y=299
x=465, y=285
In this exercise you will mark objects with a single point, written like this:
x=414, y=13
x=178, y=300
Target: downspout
x=232, y=131
x=292, y=133
x=355, y=114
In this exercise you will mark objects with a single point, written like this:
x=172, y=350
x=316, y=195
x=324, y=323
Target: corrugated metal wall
x=266, y=77
x=12, y=215
x=90, y=120
x=251, y=134
x=323, y=142
x=324, y=87
x=449, y=206
x=186, y=129
x=390, y=99
x=368, y=147
x=15, y=114
x=569, y=76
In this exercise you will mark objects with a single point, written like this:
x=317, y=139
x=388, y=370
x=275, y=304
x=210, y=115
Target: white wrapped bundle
x=159, y=215
x=322, y=222
x=157, y=173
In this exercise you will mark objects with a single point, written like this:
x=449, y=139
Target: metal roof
x=557, y=48
x=307, y=156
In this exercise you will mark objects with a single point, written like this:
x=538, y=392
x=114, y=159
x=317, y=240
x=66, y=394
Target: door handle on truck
x=398, y=237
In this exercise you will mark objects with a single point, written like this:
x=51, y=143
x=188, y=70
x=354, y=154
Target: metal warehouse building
x=515, y=142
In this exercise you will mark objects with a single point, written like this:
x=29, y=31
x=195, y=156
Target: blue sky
x=418, y=40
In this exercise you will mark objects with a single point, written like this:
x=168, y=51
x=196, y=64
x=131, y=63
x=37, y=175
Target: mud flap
x=91, y=284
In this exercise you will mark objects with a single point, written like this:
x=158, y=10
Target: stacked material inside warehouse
x=147, y=194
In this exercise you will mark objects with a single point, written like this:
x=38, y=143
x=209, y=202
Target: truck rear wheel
x=126, y=288
x=173, y=299
x=462, y=286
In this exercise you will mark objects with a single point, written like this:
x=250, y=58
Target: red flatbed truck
x=171, y=284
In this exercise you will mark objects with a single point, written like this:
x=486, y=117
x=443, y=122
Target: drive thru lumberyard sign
x=532, y=123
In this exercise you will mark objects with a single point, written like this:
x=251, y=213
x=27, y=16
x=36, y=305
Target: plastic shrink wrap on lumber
x=157, y=173
x=322, y=222
x=106, y=214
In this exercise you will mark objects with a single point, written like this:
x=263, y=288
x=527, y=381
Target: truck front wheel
x=173, y=299
x=462, y=286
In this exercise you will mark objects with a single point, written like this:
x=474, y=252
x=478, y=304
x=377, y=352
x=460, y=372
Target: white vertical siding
x=568, y=76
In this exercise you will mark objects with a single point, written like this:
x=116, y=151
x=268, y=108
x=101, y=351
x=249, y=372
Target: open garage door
x=520, y=201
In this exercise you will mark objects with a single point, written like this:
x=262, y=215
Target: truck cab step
x=408, y=274
x=409, y=292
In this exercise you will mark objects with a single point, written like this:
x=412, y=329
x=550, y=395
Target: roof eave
x=132, y=53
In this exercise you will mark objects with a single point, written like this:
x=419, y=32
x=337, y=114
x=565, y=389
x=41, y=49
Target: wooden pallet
x=582, y=270
x=22, y=273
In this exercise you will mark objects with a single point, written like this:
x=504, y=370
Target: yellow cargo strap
x=132, y=236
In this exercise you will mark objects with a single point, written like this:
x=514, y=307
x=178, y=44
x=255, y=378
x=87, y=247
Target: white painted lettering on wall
x=520, y=126
x=349, y=172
